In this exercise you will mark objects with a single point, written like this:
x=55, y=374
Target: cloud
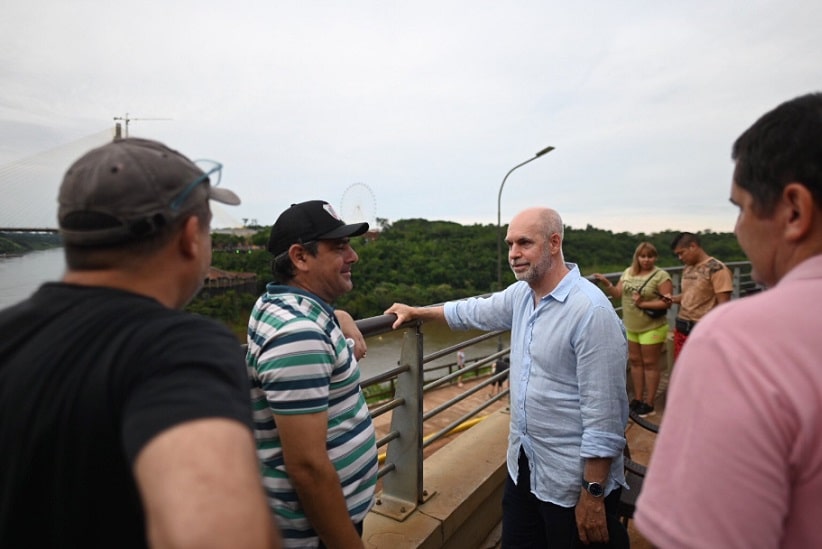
x=429, y=104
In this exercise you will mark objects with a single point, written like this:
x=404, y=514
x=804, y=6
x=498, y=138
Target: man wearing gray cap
x=315, y=438
x=126, y=422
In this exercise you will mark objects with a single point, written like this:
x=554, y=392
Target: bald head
x=545, y=220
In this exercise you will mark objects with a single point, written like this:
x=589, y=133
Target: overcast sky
x=428, y=103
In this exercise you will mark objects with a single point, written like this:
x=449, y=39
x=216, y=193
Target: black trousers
x=528, y=523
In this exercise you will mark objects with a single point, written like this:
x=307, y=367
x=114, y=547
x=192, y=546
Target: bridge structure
x=452, y=497
x=29, y=186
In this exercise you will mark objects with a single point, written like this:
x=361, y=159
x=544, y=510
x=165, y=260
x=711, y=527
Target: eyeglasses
x=209, y=167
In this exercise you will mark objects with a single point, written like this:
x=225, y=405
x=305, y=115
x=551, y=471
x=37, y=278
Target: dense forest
x=421, y=262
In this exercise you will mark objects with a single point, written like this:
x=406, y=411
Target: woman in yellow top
x=642, y=287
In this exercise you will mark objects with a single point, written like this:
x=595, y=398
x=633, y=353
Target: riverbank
x=13, y=244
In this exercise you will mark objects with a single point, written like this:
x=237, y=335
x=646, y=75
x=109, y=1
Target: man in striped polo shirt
x=315, y=439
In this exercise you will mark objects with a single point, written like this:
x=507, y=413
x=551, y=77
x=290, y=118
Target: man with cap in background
x=126, y=422
x=315, y=438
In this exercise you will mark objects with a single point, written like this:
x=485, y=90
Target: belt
x=684, y=326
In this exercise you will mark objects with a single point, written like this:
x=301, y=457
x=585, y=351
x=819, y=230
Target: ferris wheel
x=359, y=204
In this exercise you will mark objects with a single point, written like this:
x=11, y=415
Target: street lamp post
x=543, y=152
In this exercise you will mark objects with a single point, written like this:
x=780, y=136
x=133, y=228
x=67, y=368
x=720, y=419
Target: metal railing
x=402, y=471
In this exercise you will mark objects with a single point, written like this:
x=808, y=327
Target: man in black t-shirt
x=125, y=422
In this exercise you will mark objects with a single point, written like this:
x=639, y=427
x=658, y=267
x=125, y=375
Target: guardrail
x=402, y=471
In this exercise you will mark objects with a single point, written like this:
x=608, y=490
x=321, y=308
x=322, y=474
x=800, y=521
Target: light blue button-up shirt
x=567, y=380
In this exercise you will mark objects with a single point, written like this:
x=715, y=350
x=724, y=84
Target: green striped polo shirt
x=299, y=362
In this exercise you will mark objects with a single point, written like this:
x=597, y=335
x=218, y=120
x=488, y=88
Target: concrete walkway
x=640, y=440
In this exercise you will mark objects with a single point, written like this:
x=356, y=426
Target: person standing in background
x=642, y=288
x=706, y=283
x=500, y=367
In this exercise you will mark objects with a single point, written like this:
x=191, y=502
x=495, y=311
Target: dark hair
x=281, y=266
x=94, y=258
x=685, y=239
x=783, y=146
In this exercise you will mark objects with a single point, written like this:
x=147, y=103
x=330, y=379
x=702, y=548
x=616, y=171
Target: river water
x=21, y=275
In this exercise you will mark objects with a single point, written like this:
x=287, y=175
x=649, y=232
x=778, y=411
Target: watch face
x=595, y=489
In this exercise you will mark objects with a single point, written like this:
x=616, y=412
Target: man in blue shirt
x=569, y=406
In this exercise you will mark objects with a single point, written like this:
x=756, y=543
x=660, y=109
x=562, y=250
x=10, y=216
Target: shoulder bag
x=653, y=313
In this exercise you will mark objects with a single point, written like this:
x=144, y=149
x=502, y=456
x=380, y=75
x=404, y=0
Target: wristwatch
x=594, y=488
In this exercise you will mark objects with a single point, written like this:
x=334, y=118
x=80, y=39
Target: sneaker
x=644, y=410
x=634, y=405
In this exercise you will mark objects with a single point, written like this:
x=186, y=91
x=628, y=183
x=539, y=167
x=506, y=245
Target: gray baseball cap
x=128, y=189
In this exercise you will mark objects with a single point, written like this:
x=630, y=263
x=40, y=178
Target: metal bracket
x=398, y=509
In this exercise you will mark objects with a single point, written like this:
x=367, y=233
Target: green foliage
x=598, y=250
x=221, y=241
x=422, y=262
x=231, y=308
x=12, y=243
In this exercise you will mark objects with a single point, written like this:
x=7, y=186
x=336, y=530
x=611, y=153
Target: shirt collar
x=560, y=293
x=274, y=289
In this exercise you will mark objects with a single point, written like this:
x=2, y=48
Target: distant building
x=218, y=281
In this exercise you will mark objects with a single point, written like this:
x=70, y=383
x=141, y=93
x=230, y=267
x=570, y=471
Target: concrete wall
x=466, y=479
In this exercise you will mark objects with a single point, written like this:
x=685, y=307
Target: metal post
x=402, y=488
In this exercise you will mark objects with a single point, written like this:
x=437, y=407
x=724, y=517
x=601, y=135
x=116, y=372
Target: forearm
x=430, y=313
x=322, y=500
x=597, y=469
x=612, y=290
x=590, y=510
x=653, y=304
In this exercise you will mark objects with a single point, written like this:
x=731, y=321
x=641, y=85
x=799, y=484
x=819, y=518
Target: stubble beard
x=536, y=271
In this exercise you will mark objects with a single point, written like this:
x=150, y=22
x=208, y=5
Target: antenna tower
x=128, y=119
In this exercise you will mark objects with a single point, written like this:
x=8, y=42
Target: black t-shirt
x=87, y=377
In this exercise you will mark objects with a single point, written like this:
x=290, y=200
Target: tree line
x=421, y=262
x=18, y=243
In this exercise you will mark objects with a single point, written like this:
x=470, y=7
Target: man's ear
x=190, y=238
x=798, y=205
x=299, y=256
x=556, y=243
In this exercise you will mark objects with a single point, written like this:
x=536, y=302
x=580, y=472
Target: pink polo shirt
x=738, y=460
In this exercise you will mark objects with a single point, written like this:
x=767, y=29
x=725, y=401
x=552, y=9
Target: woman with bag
x=643, y=288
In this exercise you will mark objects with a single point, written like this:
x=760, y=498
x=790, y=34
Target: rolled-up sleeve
x=601, y=365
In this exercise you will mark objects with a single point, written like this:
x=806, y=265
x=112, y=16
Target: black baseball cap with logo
x=309, y=221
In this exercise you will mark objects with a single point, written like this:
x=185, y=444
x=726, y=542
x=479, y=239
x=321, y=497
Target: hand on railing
x=406, y=313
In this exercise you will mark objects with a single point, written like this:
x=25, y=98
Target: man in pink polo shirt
x=738, y=461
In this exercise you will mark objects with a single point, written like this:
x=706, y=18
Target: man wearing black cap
x=315, y=438
x=126, y=422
